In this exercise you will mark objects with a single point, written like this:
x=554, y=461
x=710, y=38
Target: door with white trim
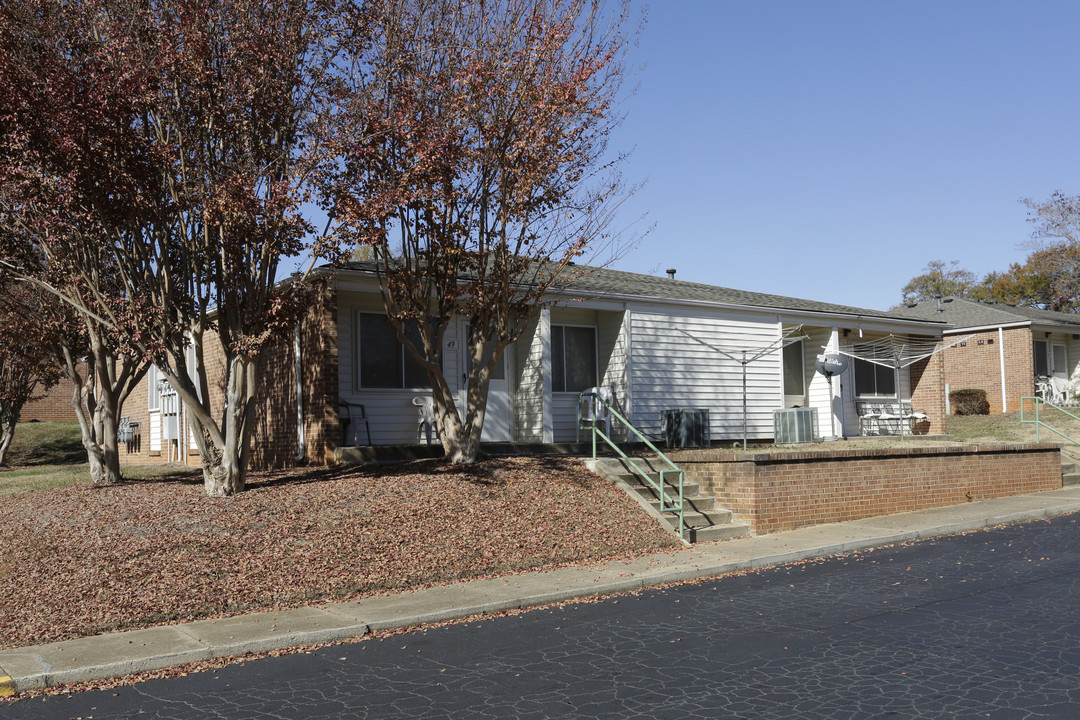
x=497, y=417
x=1059, y=365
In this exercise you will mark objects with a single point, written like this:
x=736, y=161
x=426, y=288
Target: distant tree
x=477, y=171
x=1048, y=279
x=27, y=365
x=1056, y=219
x=939, y=279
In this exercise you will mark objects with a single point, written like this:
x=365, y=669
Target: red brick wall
x=274, y=439
x=138, y=451
x=275, y=436
x=55, y=404
x=977, y=364
x=928, y=393
x=773, y=492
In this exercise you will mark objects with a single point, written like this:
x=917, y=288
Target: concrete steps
x=702, y=519
x=1070, y=471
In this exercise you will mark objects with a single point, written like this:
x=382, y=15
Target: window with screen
x=874, y=379
x=794, y=376
x=573, y=358
x=385, y=362
x=1041, y=357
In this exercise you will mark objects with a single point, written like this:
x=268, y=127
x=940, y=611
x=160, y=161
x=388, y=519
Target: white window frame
x=1046, y=355
x=153, y=389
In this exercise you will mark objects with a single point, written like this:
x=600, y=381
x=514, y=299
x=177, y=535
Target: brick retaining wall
x=772, y=492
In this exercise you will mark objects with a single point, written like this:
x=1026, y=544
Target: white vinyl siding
x=613, y=340
x=671, y=370
x=529, y=383
x=155, y=431
x=392, y=416
x=817, y=386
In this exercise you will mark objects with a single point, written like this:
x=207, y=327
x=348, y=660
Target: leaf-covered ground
x=80, y=560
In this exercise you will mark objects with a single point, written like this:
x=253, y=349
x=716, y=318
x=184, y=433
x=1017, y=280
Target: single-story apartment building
x=1006, y=350
x=657, y=343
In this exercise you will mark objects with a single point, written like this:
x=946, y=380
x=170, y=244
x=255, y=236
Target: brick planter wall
x=772, y=492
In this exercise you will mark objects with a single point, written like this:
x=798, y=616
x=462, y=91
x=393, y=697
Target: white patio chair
x=1059, y=390
x=1042, y=387
x=591, y=412
x=889, y=419
x=869, y=413
x=426, y=410
x=912, y=416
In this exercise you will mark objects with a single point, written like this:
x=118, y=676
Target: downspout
x=1001, y=355
x=298, y=371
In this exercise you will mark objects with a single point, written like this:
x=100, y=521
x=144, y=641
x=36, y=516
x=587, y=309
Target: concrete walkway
x=122, y=653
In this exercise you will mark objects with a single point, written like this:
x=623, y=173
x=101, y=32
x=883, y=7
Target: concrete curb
x=123, y=653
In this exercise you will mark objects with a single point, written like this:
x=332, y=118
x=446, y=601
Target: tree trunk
x=224, y=477
x=105, y=422
x=460, y=447
x=7, y=432
x=97, y=421
x=461, y=439
x=225, y=454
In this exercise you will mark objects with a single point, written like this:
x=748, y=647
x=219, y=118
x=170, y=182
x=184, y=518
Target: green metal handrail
x=1041, y=423
x=673, y=469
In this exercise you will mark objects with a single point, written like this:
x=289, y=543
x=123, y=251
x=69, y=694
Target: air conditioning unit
x=795, y=425
x=686, y=427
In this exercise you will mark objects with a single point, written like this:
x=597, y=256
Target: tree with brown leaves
x=474, y=164
x=170, y=140
x=27, y=365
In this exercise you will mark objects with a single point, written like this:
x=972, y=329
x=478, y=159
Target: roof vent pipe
x=671, y=273
x=938, y=298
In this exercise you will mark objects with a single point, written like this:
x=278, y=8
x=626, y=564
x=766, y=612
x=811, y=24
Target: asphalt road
x=985, y=625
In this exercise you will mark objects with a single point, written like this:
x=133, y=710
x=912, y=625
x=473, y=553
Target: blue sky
x=829, y=150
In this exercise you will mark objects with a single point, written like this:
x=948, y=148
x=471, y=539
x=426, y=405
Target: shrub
x=969, y=402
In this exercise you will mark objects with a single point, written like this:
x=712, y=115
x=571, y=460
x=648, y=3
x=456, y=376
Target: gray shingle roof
x=604, y=281
x=969, y=313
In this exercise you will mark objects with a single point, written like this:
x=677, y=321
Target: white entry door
x=1059, y=365
x=497, y=418
x=497, y=415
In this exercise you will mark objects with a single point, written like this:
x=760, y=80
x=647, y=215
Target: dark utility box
x=685, y=427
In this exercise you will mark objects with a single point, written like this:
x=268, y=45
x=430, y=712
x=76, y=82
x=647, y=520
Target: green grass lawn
x=46, y=443
x=46, y=455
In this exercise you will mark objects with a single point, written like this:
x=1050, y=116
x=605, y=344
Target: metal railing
x=1039, y=422
x=593, y=423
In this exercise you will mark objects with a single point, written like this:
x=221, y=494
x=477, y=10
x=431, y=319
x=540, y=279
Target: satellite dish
x=831, y=364
x=828, y=365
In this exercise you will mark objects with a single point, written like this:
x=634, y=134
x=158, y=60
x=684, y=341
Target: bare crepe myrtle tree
x=474, y=163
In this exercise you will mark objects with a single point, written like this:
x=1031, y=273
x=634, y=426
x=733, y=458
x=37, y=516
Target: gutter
x=995, y=326
x=1001, y=358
